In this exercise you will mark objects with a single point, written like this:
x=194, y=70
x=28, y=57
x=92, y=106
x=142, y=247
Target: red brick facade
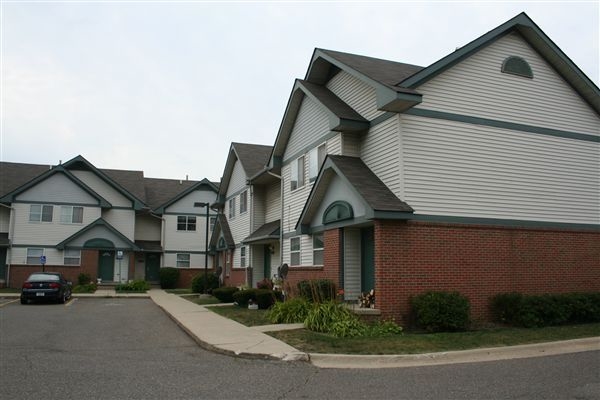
x=479, y=262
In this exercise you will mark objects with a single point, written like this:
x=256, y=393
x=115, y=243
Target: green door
x=2, y=263
x=152, y=267
x=267, y=261
x=106, y=265
x=367, y=262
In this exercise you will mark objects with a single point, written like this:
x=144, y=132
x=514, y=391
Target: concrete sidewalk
x=220, y=334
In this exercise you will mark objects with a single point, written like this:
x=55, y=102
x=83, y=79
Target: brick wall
x=479, y=261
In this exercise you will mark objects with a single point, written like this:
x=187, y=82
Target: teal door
x=267, y=261
x=106, y=265
x=152, y=267
x=367, y=267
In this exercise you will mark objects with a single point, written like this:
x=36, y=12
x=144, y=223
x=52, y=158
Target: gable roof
x=169, y=190
x=252, y=157
x=222, y=229
x=13, y=175
x=268, y=231
x=536, y=39
x=378, y=199
x=104, y=225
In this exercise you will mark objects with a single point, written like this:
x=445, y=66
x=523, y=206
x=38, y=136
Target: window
x=71, y=215
x=315, y=160
x=517, y=66
x=243, y=257
x=232, y=208
x=183, y=260
x=40, y=213
x=295, y=251
x=213, y=221
x=318, y=249
x=186, y=223
x=72, y=257
x=33, y=256
x=297, y=173
x=244, y=202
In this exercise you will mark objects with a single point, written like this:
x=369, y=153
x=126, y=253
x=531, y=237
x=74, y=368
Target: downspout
x=250, y=255
x=11, y=231
x=281, y=217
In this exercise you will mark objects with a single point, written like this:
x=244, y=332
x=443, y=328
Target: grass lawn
x=201, y=299
x=243, y=315
x=179, y=291
x=10, y=290
x=412, y=343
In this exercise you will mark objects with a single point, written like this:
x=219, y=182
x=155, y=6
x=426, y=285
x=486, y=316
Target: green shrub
x=263, y=297
x=225, y=294
x=545, y=310
x=384, y=328
x=168, y=277
x=87, y=288
x=441, y=311
x=265, y=284
x=84, y=279
x=334, y=318
x=243, y=297
x=134, y=286
x=198, y=283
x=317, y=290
x=288, y=312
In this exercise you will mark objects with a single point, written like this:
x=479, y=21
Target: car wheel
x=62, y=298
x=24, y=301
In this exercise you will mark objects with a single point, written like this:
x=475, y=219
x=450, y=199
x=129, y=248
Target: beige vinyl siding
x=475, y=171
x=334, y=145
x=294, y=200
x=381, y=152
x=338, y=190
x=185, y=205
x=185, y=240
x=351, y=145
x=196, y=261
x=273, y=202
x=57, y=188
x=4, y=219
x=306, y=253
x=311, y=123
x=148, y=228
x=47, y=233
x=53, y=256
x=256, y=200
x=121, y=220
x=102, y=188
x=237, y=180
x=357, y=94
x=477, y=87
x=352, y=256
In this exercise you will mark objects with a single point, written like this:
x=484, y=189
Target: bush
x=545, y=310
x=87, y=288
x=263, y=297
x=384, y=328
x=334, y=318
x=168, y=277
x=265, y=284
x=441, y=311
x=289, y=312
x=84, y=279
x=225, y=294
x=317, y=290
x=198, y=283
x=135, y=286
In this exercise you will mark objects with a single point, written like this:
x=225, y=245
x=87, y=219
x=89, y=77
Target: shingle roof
x=132, y=181
x=270, y=230
x=332, y=102
x=253, y=157
x=14, y=175
x=378, y=196
x=160, y=191
x=222, y=224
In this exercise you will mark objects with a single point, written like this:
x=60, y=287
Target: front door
x=2, y=263
x=367, y=267
x=106, y=265
x=267, y=261
x=152, y=267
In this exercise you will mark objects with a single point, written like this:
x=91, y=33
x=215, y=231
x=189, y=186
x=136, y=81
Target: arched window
x=517, y=66
x=338, y=211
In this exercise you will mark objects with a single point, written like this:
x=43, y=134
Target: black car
x=46, y=286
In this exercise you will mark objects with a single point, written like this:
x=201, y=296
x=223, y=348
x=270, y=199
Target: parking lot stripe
x=9, y=302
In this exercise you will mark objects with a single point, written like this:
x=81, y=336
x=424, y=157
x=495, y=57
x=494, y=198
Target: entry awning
x=266, y=233
x=149, y=246
x=99, y=231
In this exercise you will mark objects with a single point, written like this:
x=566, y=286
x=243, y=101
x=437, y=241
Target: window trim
x=319, y=249
x=37, y=257
x=297, y=171
x=244, y=202
x=70, y=214
x=188, y=223
x=298, y=251
x=71, y=257
x=231, y=208
x=178, y=261
x=243, y=257
x=316, y=157
x=41, y=213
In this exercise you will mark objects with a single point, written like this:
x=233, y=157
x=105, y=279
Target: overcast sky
x=165, y=87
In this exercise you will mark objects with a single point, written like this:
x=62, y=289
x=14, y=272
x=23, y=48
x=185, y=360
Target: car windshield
x=43, y=277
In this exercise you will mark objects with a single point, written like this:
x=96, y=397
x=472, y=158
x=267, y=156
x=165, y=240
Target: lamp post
x=207, y=205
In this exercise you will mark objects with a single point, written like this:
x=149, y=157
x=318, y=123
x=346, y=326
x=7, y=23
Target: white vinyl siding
x=186, y=223
x=381, y=153
x=71, y=215
x=477, y=87
x=41, y=213
x=295, y=251
x=357, y=94
x=196, y=260
x=105, y=190
x=297, y=173
x=121, y=219
x=311, y=123
x=243, y=202
x=293, y=201
x=315, y=160
x=185, y=240
x=186, y=205
x=475, y=171
x=147, y=228
x=243, y=256
x=351, y=145
x=352, y=283
x=273, y=202
x=57, y=188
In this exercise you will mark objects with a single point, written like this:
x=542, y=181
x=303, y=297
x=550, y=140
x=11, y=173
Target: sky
x=166, y=86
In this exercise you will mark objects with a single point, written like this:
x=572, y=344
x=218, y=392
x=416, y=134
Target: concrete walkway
x=223, y=335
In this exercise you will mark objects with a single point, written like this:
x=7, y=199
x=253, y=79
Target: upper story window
x=186, y=223
x=71, y=214
x=243, y=257
x=315, y=160
x=40, y=213
x=517, y=66
x=318, y=248
x=244, y=202
x=232, y=208
x=297, y=173
x=295, y=251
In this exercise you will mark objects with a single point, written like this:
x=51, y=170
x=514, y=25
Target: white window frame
x=67, y=214
x=243, y=202
x=232, y=208
x=181, y=259
x=243, y=257
x=315, y=160
x=190, y=220
x=34, y=257
x=296, y=252
x=297, y=174
x=318, y=252
x=38, y=216
x=72, y=257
